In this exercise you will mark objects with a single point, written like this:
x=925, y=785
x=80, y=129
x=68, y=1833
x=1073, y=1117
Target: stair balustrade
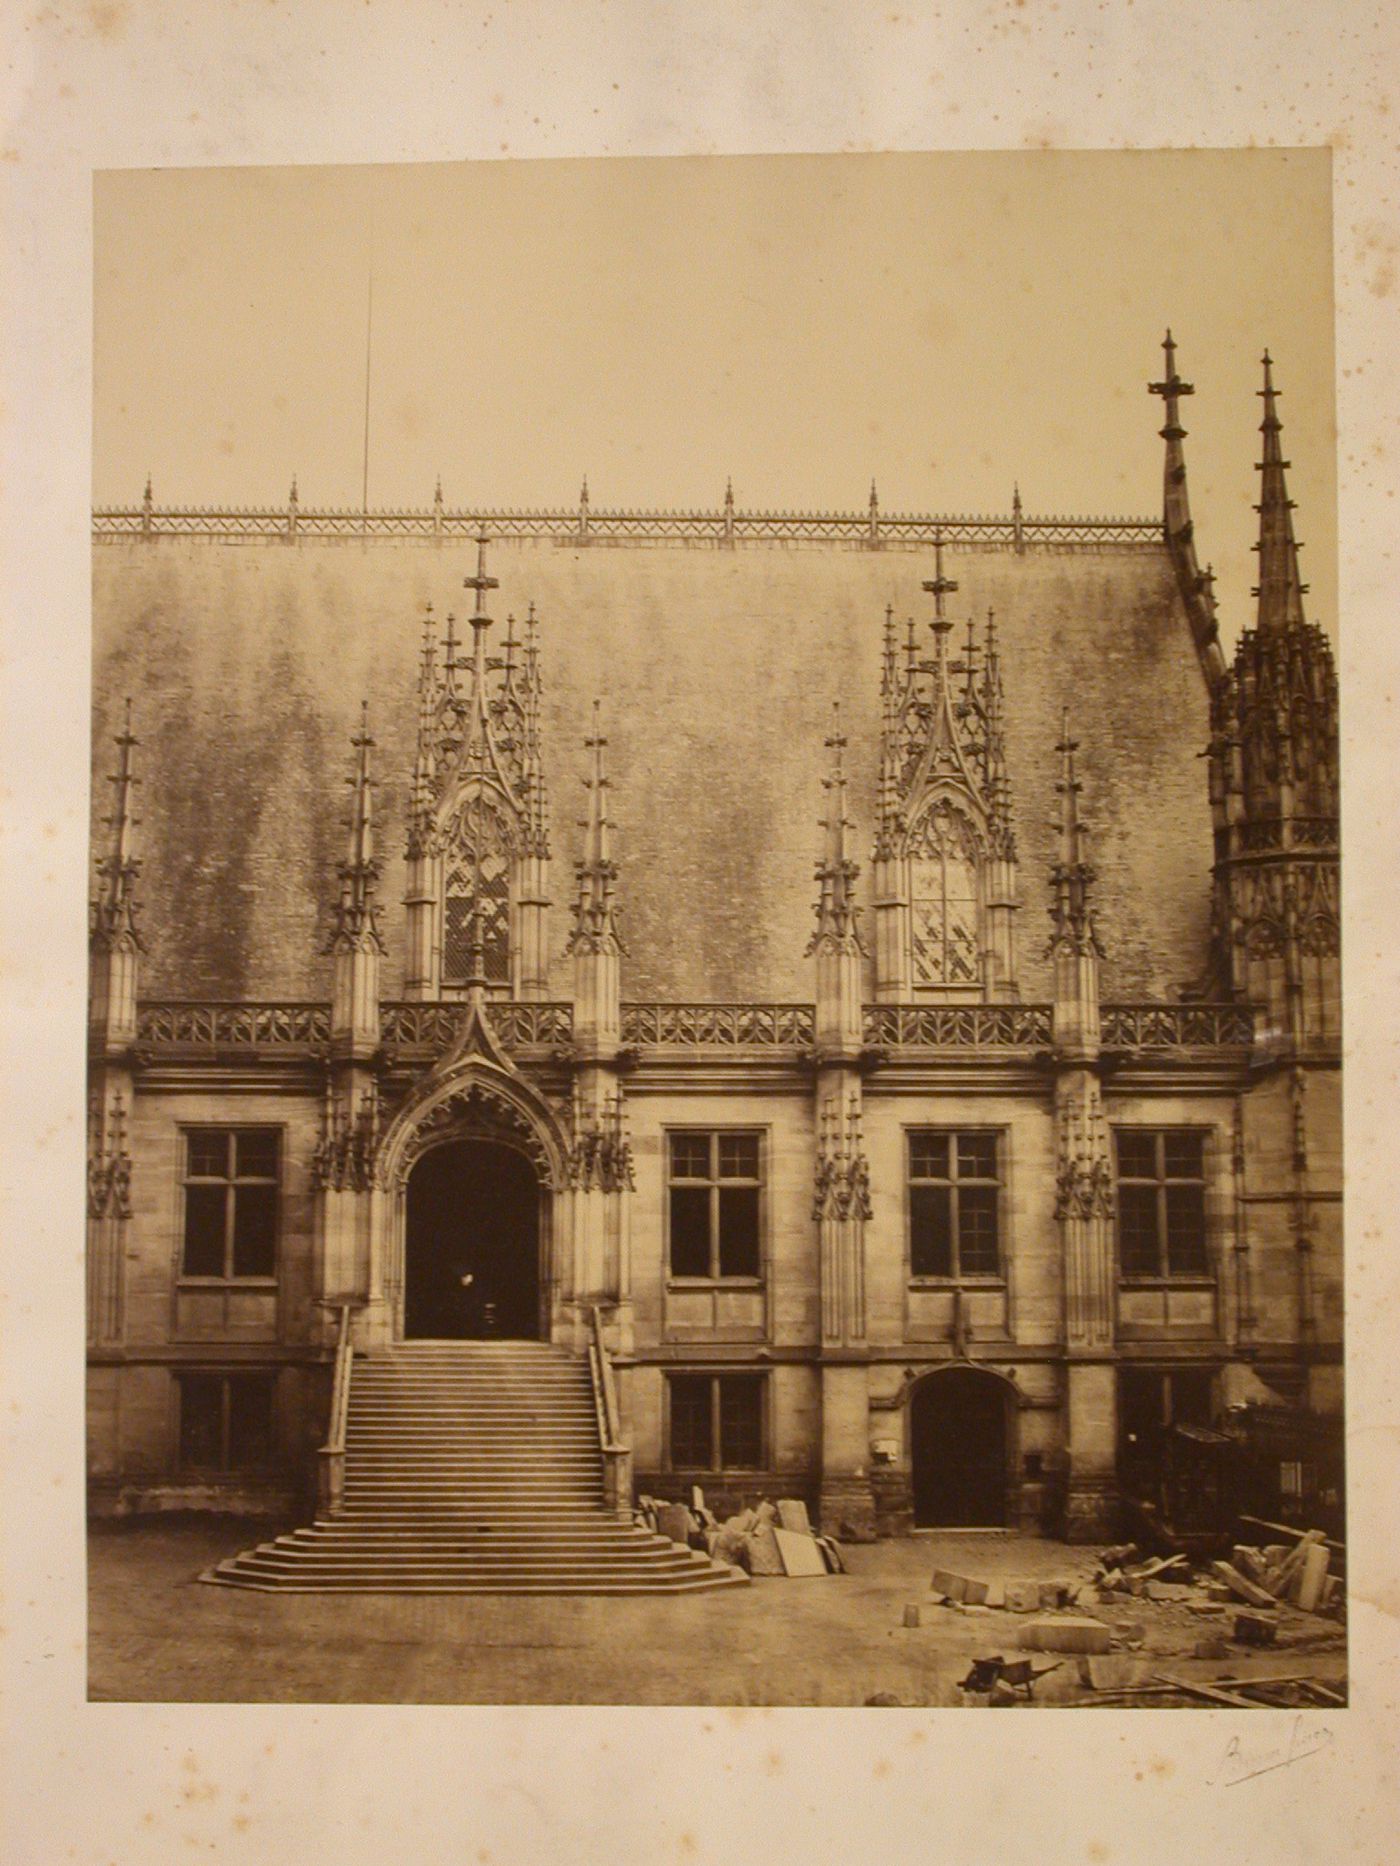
x=617, y=1456
x=330, y=1460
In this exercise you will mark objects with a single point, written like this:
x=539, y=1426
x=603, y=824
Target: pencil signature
x=1241, y=1761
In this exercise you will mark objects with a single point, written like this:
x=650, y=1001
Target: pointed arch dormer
x=478, y=841
x=945, y=850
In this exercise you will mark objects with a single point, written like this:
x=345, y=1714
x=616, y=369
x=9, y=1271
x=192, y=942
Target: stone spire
x=1072, y=877
x=596, y=940
x=595, y=926
x=1280, y=592
x=1196, y=586
x=838, y=915
x=114, y=908
x=355, y=941
x=114, y=936
x=357, y=911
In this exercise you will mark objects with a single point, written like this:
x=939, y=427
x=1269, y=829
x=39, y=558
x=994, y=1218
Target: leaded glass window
x=477, y=876
x=944, y=896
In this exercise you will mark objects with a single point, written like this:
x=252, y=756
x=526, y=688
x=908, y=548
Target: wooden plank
x=1208, y=1692
x=1287, y=1529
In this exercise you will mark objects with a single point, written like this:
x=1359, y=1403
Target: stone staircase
x=473, y=1467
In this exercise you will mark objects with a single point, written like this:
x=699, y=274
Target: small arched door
x=472, y=1244
x=958, y=1450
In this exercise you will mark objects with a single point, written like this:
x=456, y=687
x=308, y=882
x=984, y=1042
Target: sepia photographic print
x=715, y=1010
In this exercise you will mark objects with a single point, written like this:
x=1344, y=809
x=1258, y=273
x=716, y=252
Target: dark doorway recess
x=472, y=1250
x=958, y=1444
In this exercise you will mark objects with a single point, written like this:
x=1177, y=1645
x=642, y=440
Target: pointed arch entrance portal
x=958, y=1450
x=472, y=1244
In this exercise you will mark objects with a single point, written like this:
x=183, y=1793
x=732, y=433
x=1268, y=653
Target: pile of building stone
x=1287, y=1590
x=770, y=1539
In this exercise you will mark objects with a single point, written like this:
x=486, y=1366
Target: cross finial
x=939, y=586
x=480, y=582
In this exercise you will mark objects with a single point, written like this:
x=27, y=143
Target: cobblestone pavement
x=156, y=1634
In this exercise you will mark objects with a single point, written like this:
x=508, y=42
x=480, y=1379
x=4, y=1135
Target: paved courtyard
x=156, y=1634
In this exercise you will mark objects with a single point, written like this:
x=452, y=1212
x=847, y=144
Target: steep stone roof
x=246, y=663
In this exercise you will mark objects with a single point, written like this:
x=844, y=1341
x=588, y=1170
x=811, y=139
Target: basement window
x=713, y=1204
x=232, y=1176
x=225, y=1421
x=716, y=1422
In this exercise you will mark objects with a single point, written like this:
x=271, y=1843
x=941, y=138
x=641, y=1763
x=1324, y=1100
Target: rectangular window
x=231, y=1187
x=714, y=1181
x=225, y=1421
x=954, y=1194
x=1161, y=1202
x=716, y=1422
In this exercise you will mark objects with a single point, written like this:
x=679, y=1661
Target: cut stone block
x=792, y=1514
x=763, y=1552
x=951, y=1586
x=975, y=1593
x=674, y=1520
x=764, y=1514
x=1023, y=1596
x=996, y=1594
x=831, y=1554
x=1066, y=1633
x=1252, y=1630
x=800, y=1554
x=1311, y=1576
x=1242, y=1585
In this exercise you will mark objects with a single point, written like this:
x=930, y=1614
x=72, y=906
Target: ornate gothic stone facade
x=916, y=1211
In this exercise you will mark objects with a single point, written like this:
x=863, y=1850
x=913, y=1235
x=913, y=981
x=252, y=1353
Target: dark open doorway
x=957, y=1428
x=472, y=1247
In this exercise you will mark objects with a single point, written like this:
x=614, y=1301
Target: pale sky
x=946, y=324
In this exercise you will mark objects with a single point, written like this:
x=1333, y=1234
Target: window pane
x=249, y=1422
x=1137, y=1154
x=930, y=1231
x=690, y=1422
x=255, y=1153
x=1184, y=1158
x=208, y=1152
x=1186, y=1230
x=201, y=1420
x=690, y=1231
x=1138, y=1249
x=738, y=1156
x=977, y=1230
x=977, y=1156
x=690, y=1156
x=254, y=1230
x=738, y=1231
x=928, y=1155
x=740, y=1421
x=204, y=1230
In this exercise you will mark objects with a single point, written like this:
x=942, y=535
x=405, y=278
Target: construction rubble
x=1286, y=1595
x=771, y=1539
